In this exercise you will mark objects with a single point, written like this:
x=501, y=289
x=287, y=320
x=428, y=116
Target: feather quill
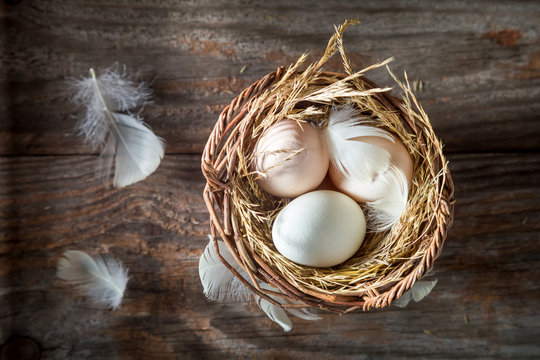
x=221, y=285
x=386, y=211
x=122, y=138
x=351, y=157
x=419, y=291
x=103, y=280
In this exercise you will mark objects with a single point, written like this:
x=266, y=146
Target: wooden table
x=478, y=63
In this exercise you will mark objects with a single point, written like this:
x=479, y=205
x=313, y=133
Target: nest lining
x=388, y=263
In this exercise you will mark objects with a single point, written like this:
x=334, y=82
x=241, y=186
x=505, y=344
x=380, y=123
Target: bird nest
x=241, y=214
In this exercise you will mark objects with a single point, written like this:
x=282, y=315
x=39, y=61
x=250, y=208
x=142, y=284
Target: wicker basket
x=241, y=214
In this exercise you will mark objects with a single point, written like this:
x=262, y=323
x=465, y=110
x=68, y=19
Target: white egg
x=320, y=229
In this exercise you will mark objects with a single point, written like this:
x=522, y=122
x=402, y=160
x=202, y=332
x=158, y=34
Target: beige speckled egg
x=364, y=191
x=320, y=229
x=292, y=158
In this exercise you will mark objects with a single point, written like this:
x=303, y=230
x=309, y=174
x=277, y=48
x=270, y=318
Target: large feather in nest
x=386, y=211
x=363, y=164
x=351, y=157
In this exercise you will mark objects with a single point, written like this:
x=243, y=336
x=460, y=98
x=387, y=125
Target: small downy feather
x=124, y=138
x=387, y=210
x=102, y=279
x=351, y=157
x=221, y=285
x=419, y=291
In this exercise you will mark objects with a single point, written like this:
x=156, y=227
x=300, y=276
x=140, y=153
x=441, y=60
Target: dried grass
x=388, y=263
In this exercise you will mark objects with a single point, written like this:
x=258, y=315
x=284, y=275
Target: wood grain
x=481, y=93
x=487, y=272
x=479, y=66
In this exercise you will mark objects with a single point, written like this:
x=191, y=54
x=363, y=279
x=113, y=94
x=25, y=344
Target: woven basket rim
x=217, y=199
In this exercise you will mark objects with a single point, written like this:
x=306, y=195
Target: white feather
x=419, y=291
x=275, y=313
x=221, y=285
x=352, y=157
x=218, y=282
x=279, y=315
x=103, y=279
x=303, y=313
x=403, y=300
x=136, y=150
x=422, y=289
x=282, y=318
x=386, y=211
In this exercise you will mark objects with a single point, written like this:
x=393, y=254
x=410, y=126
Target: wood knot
x=20, y=348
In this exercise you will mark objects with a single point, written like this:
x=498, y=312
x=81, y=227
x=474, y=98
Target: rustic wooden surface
x=479, y=65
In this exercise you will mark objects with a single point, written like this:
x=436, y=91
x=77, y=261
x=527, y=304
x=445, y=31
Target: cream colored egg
x=364, y=191
x=292, y=158
x=321, y=228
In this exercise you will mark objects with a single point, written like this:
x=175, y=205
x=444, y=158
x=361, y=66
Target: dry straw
x=241, y=214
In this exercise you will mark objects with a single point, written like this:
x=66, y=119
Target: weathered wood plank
x=479, y=67
x=487, y=272
x=479, y=62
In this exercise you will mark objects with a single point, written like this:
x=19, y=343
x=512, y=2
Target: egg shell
x=364, y=191
x=320, y=229
x=287, y=175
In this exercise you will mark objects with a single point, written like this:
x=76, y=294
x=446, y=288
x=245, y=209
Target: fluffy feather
x=218, y=282
x=124, y=138
x=387, y=210
x=221, y=285
x=355, y=158
x=103, y=279
x=419, y=291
